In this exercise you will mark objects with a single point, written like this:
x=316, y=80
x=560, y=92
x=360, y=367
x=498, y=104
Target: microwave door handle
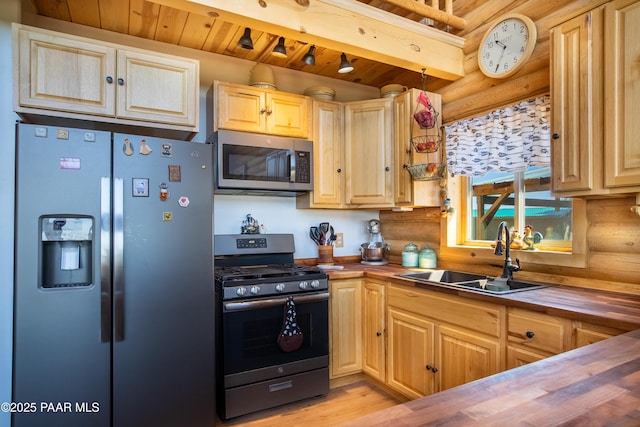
x=292, y=166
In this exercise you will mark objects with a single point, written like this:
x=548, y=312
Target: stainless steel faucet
x=509, y=268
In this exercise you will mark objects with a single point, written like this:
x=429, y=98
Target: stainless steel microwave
x=251, y=163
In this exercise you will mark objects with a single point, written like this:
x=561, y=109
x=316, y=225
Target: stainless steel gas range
x=255, y=276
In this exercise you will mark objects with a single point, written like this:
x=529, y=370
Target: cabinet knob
x=434, y=370
x=339, y=170
x=428, y=367
x=109, y=79
x=269, y=112
x=555, y=136
x=530, y=334
x=263, y=110
x=378, y=334
x=387, y=169
x=120, y=81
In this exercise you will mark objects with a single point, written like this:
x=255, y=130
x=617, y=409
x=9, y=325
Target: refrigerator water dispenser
x=66, y=248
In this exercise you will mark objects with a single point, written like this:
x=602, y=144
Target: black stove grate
x=256, y=272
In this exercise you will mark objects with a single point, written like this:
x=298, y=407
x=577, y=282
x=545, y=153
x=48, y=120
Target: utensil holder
x=325, y=255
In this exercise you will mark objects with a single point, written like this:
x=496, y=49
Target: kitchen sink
x=470, y=281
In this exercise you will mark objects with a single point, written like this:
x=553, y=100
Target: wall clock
x=507, y=45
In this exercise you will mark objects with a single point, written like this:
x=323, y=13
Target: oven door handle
x=248, y=305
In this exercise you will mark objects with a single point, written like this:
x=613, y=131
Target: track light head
x=245, y=41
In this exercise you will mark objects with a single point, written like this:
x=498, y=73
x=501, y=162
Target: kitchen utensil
x=314, y=233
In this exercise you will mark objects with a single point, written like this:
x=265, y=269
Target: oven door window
x=250, y=336
x=256, y=163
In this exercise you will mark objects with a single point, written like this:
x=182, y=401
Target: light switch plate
x=339, y=240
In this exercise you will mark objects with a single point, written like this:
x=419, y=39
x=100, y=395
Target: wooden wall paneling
x=467, y=96
x=85, y=12
x=509, y=92
x=115, y=18
x=420, y=226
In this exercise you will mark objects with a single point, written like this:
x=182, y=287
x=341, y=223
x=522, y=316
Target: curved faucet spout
x=509, y=267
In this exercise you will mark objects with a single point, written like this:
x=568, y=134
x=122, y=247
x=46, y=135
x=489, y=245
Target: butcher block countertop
x=608, y=308
x=594, y=385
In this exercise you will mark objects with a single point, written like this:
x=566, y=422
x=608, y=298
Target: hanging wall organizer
x=426, y=140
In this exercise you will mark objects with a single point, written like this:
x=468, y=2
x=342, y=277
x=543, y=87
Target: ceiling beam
x=345, y=26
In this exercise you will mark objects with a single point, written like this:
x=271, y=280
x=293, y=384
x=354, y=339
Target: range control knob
x=241, y=292
x=255, y=290
x=280, y=287
x=315, y=284
x=303, y=285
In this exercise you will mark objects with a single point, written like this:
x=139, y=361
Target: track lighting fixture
x=310, y=57
x=245, y=41
x=280, y=51
x=345, y=65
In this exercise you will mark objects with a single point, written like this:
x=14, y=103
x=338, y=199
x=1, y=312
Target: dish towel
x=290, y=337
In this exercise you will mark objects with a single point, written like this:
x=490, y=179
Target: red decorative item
x=425, y=115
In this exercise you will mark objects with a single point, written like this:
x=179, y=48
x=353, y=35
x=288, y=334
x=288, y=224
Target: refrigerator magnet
x=144, y=148
x=175, y=174
x=183, y=201
x=140, y=187
x=164, y=191
x=167, y=216
x=127, y=149
x=166, y=150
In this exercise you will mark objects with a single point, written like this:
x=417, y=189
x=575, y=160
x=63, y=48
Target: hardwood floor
x=348, y=399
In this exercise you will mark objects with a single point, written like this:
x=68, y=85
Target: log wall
x=475, y=94
x=613, y=241
x=613, y=231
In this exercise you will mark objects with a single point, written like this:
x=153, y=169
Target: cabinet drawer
x=471, y=314
x=540, y=331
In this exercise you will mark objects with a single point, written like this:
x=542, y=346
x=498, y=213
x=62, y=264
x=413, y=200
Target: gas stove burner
x=253, y=272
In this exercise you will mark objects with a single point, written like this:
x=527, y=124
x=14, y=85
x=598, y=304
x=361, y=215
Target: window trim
x=452, y=247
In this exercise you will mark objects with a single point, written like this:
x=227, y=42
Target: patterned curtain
x=506, y=140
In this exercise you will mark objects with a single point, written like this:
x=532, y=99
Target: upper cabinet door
x=251, y=109
x=573, y=115
x=238, y=108
x=63, y=74
x=157, y=88
x=369, y=153
x=287, y=114
x=622, y=88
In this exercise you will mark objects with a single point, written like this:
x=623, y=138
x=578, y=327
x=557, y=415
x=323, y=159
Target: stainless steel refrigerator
x=114, y=298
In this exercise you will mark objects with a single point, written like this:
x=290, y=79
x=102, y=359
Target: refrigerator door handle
x=105, y=259
x=118, y=258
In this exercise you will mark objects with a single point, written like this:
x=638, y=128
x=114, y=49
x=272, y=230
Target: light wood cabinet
x=410, y=353
x=251, y=109
x=407, y=191
x=373, y=329
x=345, y=328
x=437, y=341
x=592, y=59
x=538, y=334
x=369, y=153
x=622, y=100
x=78, y=78
x=328, y=157
x=588, y=333
x=464, y=356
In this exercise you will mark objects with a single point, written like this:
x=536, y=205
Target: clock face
x=506, y=46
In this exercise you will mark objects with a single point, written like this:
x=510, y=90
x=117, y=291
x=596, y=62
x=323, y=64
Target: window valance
x=505, y=140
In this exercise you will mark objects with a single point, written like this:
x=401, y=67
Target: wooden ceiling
x=155, y=21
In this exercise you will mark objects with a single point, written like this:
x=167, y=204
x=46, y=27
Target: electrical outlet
x=339, y=240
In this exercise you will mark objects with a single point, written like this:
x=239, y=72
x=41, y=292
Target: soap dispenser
x=427, y=258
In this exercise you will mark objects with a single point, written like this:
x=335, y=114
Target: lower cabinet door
x=410, y=357
x=464, y=356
